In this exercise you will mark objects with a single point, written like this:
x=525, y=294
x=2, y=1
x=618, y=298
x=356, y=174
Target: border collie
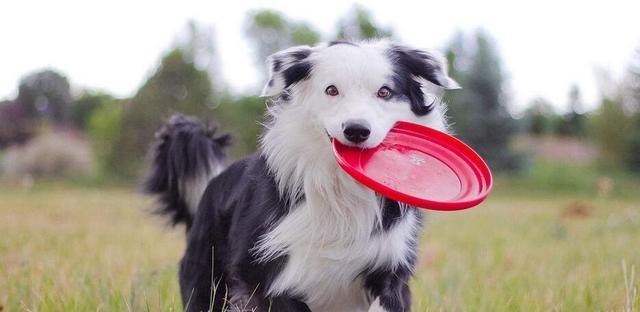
x=285, y=229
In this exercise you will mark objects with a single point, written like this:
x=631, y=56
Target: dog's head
x=356, y=92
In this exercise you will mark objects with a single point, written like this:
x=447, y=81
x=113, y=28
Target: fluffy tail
x=185, y=156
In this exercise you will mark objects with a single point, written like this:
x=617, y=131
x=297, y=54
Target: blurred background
x=551, y=100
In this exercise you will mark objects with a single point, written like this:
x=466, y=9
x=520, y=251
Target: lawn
x=79, y=249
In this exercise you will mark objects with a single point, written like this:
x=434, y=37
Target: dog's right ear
x=287, y=68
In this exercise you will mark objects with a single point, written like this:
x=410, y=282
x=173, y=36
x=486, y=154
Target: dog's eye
x=384, y=93
x=331, y=90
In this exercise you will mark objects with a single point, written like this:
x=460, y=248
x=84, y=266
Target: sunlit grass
x=66, y=249
x=85, y=250
x=519, y=254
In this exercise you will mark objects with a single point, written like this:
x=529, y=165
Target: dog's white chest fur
x=329, y=239
x=329, y=248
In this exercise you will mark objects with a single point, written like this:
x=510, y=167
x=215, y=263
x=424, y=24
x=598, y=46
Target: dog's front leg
x=243, y=297
x=390, y=289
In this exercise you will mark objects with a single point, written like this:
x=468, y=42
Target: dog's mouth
x=347, y=144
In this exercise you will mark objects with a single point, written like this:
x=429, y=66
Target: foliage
x=46, y=95
x=15, y=125
x=51, y=155
x=479, y=112
x=242, y=117
x=572, y=123
x=632, y=144
x=86, y=104
x=304, y=34
x=271, y=31
x=632, y=83
x=176, y=86
x=360, y=25
x=539, y=117
x=104, y=127
x=609, y=127
x=632, y=140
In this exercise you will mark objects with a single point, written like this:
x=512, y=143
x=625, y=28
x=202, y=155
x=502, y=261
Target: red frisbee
x=421, y=167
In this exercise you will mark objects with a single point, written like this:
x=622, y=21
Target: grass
x=530, y=254
x=85, y=250
x=79, y=249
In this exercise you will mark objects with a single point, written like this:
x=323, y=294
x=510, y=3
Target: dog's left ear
x=287, y=68
x=428, y=65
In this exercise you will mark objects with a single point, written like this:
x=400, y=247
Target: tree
x=198, y=46
x=540, y=117
x=270, y=31
x=632, y=88
x=479, y=112
x=632, y=144
x=609, y=128
x=632, y=83
x=104, y=127
x=180, y=84
x=83, y=107
x=15, y=125
x=176, y=86
x=241, y=117
x=46, y=95
x=360, y=25
x=573, y=122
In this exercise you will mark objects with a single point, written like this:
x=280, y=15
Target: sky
x=546, y=46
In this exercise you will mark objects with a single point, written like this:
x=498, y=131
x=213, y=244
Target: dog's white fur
x=329, y=240
x=193, y=187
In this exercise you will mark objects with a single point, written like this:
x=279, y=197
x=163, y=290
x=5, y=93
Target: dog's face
x=357, y=92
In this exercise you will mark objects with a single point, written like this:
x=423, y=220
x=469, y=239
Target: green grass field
x=79, y=249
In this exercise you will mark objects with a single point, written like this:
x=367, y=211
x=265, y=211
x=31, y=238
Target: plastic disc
x=421, y=167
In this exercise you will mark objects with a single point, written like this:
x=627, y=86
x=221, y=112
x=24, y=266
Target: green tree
x=180, y=84
x=632, y=144
x=104, y=127
x=242, y=117
x=540, y=117
x=271, y=31
x=632, y=140
x=83, y=107
x=479, y=112
x=609, y=129
x=360, y=25
x=573, y=122
x=176, y=86
x=198, y=46
x=46, y=96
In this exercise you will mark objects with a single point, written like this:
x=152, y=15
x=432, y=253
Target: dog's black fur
x=218, y=268
x=244, y=202
x=184, y=148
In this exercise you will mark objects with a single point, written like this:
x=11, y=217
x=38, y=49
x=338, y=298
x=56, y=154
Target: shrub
x=104, y=127
x=84, y=106
x=52, y=155
x=632, y=144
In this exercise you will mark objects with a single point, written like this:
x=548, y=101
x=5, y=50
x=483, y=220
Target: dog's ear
x=428, y=65
x=286, y=68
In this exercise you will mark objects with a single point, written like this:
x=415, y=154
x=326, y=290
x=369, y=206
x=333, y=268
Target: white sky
x=114, y=45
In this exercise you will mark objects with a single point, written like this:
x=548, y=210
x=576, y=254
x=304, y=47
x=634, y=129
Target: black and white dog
x=286, y=229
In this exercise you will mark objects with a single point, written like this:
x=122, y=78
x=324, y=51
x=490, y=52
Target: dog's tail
x=185, y=156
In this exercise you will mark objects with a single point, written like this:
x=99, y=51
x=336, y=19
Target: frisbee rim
x=477, y=165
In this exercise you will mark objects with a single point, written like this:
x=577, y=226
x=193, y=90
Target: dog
x=285, y=229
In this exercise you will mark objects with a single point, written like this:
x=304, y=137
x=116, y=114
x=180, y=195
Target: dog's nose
x=356, y=131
